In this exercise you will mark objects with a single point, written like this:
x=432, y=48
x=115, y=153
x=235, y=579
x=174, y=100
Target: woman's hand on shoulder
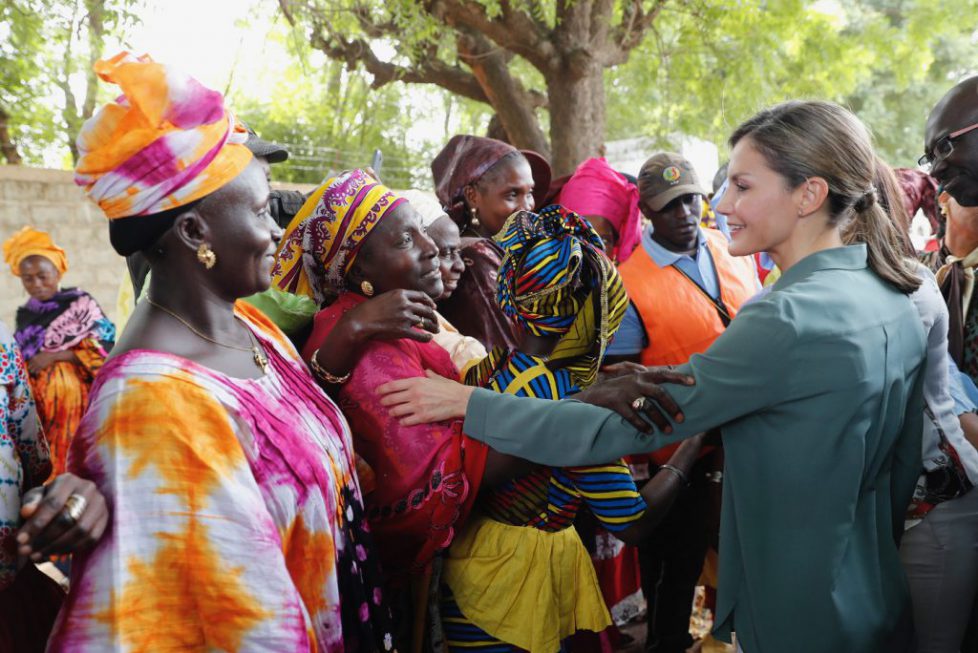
x=393, y=315
x=55, y=523
x=421, y=400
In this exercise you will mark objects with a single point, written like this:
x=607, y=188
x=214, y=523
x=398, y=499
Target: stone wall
x=50, y=201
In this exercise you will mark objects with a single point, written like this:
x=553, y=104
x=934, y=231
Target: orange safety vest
x=679, y=319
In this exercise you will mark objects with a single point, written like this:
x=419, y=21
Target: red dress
x=427, y=476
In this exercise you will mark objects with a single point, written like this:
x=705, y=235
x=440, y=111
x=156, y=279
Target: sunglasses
x=944, y=146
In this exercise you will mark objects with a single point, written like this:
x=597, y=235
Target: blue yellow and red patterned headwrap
x=555, y=280
x=321, y=243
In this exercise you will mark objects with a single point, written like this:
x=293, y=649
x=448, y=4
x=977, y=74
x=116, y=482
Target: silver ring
x=75, y=506
x=420, y=323
x=638, y=403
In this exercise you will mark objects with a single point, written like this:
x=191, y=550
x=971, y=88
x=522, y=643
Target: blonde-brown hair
x=805, y=139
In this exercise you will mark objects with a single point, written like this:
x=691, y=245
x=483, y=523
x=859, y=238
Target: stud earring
x=475, y=217
x=206, y=255
x=367, y=288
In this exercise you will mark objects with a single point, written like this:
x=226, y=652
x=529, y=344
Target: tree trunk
x=511, y=101
x=577, y=115
x=7, y=146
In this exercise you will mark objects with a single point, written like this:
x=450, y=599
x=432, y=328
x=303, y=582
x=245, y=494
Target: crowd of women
x=401, y=472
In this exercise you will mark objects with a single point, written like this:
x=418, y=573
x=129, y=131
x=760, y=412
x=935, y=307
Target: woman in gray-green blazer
x=817, y=387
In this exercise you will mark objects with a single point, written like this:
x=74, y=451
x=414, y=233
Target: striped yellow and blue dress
x=518, y=576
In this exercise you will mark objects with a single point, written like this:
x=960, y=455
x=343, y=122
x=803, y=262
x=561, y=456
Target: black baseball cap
x=271, y=152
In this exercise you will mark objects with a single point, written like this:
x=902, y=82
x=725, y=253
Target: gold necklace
x=256, y=353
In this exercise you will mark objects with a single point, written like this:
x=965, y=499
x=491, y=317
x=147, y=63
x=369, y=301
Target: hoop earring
x=206, y=255
x=475, y=218
x=367, y=288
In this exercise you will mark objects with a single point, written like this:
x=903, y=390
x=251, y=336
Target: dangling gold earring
x=475, y=218
x=367, y=288
x=206, y=255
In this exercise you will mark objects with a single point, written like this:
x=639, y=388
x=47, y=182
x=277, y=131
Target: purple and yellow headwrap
x=164, y=143
x=556, y=281
x=322, y=241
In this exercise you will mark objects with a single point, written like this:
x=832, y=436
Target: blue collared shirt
x=631, y=338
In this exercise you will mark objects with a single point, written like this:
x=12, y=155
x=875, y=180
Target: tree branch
x=601, y=20
x=70, y=111
x=430, y=71
x=514, y=29
x=625, y=36
x=513, y=104
x=96, y=35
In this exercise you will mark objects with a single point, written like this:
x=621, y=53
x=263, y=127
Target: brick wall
x=50, y=201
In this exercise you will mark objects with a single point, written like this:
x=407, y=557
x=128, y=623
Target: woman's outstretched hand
x=635, y=394
x=420, y=400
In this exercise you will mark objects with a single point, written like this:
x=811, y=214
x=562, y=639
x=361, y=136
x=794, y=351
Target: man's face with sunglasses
x=951, y=142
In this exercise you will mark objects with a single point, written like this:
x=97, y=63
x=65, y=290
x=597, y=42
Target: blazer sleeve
x=744, y=371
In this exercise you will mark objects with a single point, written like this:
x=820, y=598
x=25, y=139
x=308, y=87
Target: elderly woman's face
x=398, y=254
x=444, y=234
x=243, y=234
x=40, y=277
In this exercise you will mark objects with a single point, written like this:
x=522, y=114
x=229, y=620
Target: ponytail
x=885, y=252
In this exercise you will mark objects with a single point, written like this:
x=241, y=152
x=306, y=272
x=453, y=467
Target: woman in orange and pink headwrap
x=237, y=518
x=62, y=333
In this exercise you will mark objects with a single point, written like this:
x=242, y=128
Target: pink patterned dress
x=237, y=519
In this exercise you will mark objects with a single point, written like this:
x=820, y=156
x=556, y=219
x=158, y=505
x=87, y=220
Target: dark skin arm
x=43, y=360
x=393, y=315
x=661, y=491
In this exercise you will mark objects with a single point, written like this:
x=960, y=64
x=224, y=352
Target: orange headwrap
x=167, y=141
x=31, y=242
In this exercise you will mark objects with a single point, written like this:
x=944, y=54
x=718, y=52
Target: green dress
x=818, y=389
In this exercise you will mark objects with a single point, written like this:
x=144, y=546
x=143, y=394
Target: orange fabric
x=31, y=242
x=165, y=142
x=61, y=394
x=679, y=319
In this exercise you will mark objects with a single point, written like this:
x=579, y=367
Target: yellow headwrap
x=323, y=239
x=31, y=242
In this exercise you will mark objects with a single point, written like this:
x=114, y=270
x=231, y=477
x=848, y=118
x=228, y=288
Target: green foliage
x=24, y=94
x=45, y=57
x=706, y=66
x=330, y=119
